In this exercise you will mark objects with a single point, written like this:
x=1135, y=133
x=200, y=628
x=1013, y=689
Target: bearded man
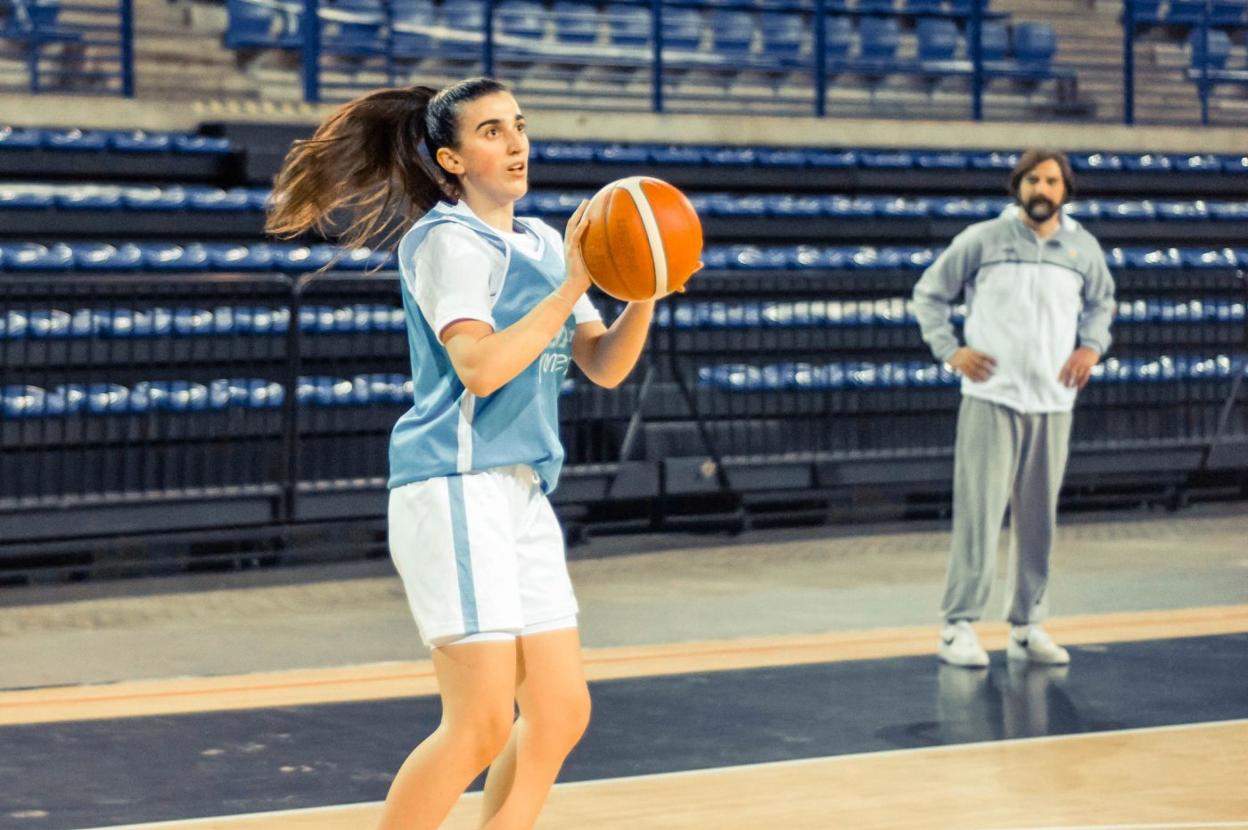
x=1039, y=302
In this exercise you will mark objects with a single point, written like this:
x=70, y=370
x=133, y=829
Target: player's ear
x=449, y=161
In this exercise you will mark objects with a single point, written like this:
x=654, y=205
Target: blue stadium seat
x=575, y=23
x=1235, y=164
x=886, y=159
x=773, y=157
x=139, y=142
x=832, y=159
x=842, y=207
x=107, y=398
x=352, y=28
x=993, y=161
x=628, y=25
x=411, y=22
x=622, y=154
x=302, y=258
x=27, y=196
x=224, y=256
x=918, y=7
x=994, y=40
x=1228, y=211
x=31, y=256
x=716, y=257
x=729, y=156
x=216, y=199
x=1034, y=45
x=791, y=206
x=677, y=154
x=1153, y=258
x=19, y=138
x=1201, y=163
x=782, y=36
x=1083, y=162
x=201, y=145
x=753, y=257
x=74, y=140
x=319, y=390
x=37, y=21
x=154, y=198
x=885, y=6
x=262, y=25
x=564, y=152
x=99, y=256
x=1227, y=12
x=89, y=197
x=1167, y=210
x=732, y=33
x=1084, y=210
x=894, y=208
x=682, y=28
x=942, y=160
x=251, y=393
x=1128, y=211
x=1219, y=48
x=1185, y=12
x=1146, y=11
x=1146, y=162
x=956, y=207
x=522, y=19
x=938, y=39
x=1215, y=258
x=878, y=38
x=964, y=7
x=464, y=16
x=838, y=41
x=166, y=256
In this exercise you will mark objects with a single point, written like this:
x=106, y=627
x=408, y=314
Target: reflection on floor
x=66, y=775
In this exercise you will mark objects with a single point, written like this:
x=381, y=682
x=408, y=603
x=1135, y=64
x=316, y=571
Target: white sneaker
x=1031, y=642
x=959, y=646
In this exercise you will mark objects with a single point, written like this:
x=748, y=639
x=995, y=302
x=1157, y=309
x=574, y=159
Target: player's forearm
x=616, y=352
x=484, y=366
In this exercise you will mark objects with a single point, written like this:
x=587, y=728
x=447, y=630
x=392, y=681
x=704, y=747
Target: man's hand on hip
x=975, y=365
x=1078, y=368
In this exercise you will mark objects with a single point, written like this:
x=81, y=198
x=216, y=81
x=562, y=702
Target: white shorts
x=479, y=552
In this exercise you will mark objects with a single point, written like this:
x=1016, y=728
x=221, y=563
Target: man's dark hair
x=1038, y=155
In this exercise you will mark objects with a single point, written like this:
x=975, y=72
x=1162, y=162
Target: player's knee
x=562, y=721
x=483, y=734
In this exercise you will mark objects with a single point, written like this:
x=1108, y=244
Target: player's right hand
x=975, y=365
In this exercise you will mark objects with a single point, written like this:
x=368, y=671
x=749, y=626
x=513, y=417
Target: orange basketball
x=643, y=241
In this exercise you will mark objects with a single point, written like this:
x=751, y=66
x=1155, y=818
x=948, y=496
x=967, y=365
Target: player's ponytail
x=365, y=161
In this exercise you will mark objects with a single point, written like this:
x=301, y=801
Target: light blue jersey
x=448, y=430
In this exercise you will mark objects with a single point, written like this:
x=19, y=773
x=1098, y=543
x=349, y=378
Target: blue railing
x=1208, y=24
x=658, y=39
x=82, y=47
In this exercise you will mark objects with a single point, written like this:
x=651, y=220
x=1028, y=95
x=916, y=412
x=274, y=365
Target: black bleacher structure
x=172, y=381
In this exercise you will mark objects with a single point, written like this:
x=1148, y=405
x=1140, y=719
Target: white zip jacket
x=1029, y=304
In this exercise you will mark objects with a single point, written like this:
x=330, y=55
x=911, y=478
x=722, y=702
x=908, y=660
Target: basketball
x=643, y=241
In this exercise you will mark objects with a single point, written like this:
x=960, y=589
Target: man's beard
x=1040, y=209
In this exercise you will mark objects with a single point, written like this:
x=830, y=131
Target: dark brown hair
x=1037, y=155
x=365, y=159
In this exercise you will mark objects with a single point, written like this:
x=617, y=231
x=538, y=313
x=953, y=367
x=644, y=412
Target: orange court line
x=382, y=681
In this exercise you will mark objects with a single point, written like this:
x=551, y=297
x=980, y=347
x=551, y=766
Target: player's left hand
x=1078, y=368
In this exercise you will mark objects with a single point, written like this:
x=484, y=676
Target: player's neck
x=498, y=215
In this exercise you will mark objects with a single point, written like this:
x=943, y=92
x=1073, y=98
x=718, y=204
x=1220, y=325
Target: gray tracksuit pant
x=1001, y=458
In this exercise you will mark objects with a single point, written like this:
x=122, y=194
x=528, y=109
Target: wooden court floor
x=1180, y=774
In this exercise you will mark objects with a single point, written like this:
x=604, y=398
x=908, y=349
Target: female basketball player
x=496, y=308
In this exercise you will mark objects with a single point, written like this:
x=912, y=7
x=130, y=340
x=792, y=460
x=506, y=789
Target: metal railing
x=1142, y=17
x=84, y=47
x=385, y=44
